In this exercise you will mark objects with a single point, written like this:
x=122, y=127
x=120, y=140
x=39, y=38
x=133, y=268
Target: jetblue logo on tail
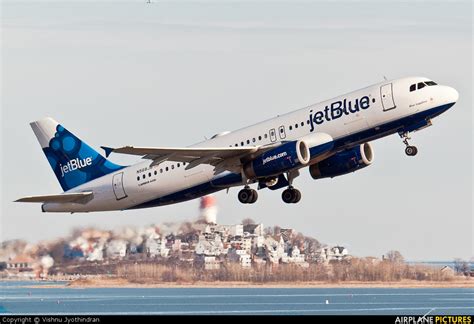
x=337, y=109
x=74, y=165
x=73, y=161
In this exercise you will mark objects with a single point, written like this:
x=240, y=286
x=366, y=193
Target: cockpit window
x=422, y=85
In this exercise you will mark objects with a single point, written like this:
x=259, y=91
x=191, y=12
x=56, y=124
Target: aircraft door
x=117, y=184
x=273, y=136
x=386, y=94
x=281, y=130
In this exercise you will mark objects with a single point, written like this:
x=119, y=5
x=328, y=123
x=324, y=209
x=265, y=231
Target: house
x=156, y=247
x=241, y=256
x=20, y=263
x=236, y=230
x=448, y=271
x=116, y=249
x=275, y=248
x=333, y=253
x=210, y=247
x=298, y=258
x=253, y=229
x=208, y=262
x=287, y=234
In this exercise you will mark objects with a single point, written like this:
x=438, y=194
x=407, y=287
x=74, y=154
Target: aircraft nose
x=452, y=95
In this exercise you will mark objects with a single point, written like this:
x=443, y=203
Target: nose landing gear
x=410, y=150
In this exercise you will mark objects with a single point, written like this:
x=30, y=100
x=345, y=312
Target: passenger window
x=412, y=87
x=156, y=172
x=266, y=135
x=248, y=141
x=253, y=139
x=178, y=165
x=291, y=127
x=161, y=170
x=143, y=176
x=241, y=143
x=149, y=174
x=260, y=138
x=296, y=125
x=138, y=178
x=172, y=166
x=421, y=85
x=302, y=124
x=167, y=168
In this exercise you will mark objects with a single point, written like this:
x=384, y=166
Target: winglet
x=107, y=150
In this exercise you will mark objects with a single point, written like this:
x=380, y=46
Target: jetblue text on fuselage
x=273, y=157
x=337, y=109
x=75, y=164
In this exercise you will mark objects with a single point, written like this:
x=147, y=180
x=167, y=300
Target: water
x=17, y=298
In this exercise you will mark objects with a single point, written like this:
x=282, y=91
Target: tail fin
x=73, y=161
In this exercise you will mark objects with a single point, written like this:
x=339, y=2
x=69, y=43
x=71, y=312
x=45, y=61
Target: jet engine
x=343, y=162
x=278, y=160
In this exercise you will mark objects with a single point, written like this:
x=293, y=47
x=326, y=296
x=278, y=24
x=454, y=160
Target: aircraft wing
x=223, y=158
x=78, y=197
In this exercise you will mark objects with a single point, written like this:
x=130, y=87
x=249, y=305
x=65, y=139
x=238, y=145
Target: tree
x=311, y=245
x=276, y=230
x=247, y=221
x=394, y=256
x=461, y=266
x=268, y=231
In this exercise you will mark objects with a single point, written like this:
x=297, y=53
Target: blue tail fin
x=73, y=161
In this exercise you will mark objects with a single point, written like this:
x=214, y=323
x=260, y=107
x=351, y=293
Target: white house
x=156, y=247
x=116, y=249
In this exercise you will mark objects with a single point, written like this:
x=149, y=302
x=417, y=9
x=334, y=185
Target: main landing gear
x=291, y=195
x=247, y=195
x=410, y=150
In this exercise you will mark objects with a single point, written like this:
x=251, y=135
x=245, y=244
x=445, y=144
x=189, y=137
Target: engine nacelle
x=343, y=162
x=278, y=160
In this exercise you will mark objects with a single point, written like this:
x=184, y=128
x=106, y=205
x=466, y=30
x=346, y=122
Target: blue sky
x=173, y=72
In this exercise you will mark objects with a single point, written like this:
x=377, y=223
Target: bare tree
x=268, y=230
x=247, y=221
x=461, y=266
x=276, y=230
x=394, y=256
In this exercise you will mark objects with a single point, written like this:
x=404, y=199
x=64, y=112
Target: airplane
x=331, y=138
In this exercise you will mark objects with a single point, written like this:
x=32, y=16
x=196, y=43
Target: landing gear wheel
x=297, y=196
x=287, y=196
x=247, y=196
x=244, y=195
x=254, y=196
x=291, y=196
x=411, y=150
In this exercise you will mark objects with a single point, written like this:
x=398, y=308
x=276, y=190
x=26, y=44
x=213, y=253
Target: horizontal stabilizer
x=78, y=197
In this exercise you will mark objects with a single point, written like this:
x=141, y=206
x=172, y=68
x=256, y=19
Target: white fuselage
x=382, y=109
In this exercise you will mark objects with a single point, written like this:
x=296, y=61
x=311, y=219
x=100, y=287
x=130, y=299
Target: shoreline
x=123, y=283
